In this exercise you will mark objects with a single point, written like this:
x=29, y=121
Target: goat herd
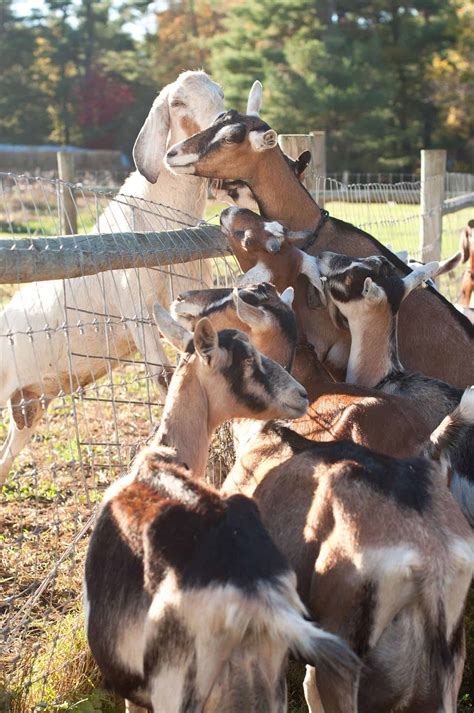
x=357, y=514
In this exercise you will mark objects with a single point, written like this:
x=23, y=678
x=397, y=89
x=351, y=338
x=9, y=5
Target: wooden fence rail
x=36, y=259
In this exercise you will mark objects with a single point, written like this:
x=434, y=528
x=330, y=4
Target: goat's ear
x=418, y=276
x=310, y=268
x=206, y=341
x=250, y=314
x=302, y=162
x=254, y=102
x=173, y=332
x=449, y=264
x=288, y=296
x=263, y=140
x=150, y=146
x=372, y=292
x=402, y=255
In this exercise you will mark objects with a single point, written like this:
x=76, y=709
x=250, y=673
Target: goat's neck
x=244, y=430
x=185, y=424
x=280, y=195
x=308, y=370
x=174, y=193
x=374, y=348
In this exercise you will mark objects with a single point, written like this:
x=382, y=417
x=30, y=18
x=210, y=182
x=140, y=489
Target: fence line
x=88, y=436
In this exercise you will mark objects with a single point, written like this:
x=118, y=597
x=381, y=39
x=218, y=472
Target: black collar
x=312, y=238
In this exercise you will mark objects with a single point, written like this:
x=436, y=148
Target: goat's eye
x=177, y=102
x=228, y=140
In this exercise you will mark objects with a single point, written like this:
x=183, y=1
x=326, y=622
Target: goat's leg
x=311, y=693
x=26, y=411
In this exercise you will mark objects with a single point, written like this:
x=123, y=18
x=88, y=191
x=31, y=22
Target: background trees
x=383, y=78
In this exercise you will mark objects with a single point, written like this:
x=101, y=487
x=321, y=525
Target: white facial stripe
x=182, y=159
x=275, y=228
x=225, y=131
x=257, y=274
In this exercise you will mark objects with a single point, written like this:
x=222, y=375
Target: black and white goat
x=189, y=604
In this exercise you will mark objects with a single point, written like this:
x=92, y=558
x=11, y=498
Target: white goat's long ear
x=418, y=276
x=173, y=332
x=372, y=292
x=254, y=102
x=263, y=140
x=150, y=146
x=310, y=268
x=288, y=296
x=206, y=341
x=250, y=314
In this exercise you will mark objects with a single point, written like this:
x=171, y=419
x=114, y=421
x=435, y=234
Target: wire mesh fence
x=84, y=368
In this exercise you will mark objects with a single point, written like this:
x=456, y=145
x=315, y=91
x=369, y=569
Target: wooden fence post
x=294, y=144
x=433, y=171
x=319, y=164
x=67, y=207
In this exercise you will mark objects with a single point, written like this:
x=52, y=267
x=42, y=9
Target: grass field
x=81, y=447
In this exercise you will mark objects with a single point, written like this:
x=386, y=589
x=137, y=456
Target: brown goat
x=243, y=147
x=342, y=532
x=385, y=423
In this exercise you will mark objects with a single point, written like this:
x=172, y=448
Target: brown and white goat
x=383, y=559
x=385, y=423
x=189, y=604
x=369, y=292
x=243, y=147
x=351, y=530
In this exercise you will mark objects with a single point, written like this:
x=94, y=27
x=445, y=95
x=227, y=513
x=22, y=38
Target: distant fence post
x=319, y=164
x=67, y=208
x=433, y=172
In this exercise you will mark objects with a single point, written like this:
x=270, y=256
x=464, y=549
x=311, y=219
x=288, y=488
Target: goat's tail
x=452, y=445
x=338, y=667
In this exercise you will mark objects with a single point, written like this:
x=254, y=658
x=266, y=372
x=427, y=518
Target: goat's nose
x=172, y=153
x=303, y=393
x=273, y=246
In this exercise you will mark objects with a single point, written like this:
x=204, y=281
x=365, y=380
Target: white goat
x=106, y=315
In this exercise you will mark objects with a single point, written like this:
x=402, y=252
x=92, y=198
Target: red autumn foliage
x=101, y=101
